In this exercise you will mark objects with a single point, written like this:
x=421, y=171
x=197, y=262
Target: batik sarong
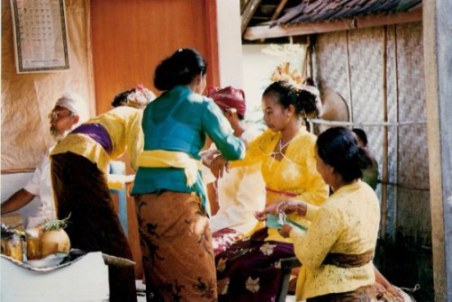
x=223, y=239
x=250, y=269
x=176, y=243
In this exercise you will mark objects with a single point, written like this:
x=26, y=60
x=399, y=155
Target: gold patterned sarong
x=176, y=243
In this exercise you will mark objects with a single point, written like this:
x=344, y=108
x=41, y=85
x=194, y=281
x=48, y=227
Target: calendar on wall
x=40, y=36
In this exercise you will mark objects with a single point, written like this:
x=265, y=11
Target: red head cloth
x=228, y=97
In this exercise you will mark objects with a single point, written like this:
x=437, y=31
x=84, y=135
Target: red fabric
x=228, y=97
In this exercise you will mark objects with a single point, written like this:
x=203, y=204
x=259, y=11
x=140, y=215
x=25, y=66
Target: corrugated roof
x=282, y=18
x=320, y=10
x=328, y=10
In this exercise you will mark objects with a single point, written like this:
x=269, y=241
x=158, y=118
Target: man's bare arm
x=18, y=200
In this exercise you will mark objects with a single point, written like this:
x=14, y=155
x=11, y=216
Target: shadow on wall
x=407, y=265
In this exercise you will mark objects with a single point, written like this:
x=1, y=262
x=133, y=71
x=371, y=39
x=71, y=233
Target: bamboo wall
x=379, y=71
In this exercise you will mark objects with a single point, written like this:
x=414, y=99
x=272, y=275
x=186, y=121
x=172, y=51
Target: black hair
x=338, y=148
x=309, y=82
x=121, y=98
x=288, y=94
x=361, y=134
x=179, y=69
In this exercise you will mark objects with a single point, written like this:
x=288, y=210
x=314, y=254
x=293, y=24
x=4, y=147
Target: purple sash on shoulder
x=98, y=133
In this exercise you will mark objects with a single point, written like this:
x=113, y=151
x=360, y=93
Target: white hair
x=75, y=104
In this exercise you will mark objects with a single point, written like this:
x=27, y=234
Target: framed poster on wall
x=40, y=36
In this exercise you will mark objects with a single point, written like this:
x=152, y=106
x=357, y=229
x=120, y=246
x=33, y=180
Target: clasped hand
x=286, y=207
x=218, y=166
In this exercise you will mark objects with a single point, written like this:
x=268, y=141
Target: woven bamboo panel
x=366, y=74
x=366, y=53
x=414, y=209
x=391, y=102
x=413, y=220
x=331, y=55
x=406, y=184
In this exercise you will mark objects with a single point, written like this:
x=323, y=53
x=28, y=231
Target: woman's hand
x=286, y=206
x=285, y=230
x=384, y=288
x=207, y=156
x=292, y=207
x=218, y=166
x=262, y=215
x=389, y=293
x=394, y=293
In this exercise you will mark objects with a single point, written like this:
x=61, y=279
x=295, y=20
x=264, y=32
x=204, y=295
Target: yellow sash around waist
x=171, y=159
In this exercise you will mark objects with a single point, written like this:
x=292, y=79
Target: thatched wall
x=379, y=71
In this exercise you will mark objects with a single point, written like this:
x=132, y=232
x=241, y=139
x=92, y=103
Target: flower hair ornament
x=140, y=97
x=283, y=72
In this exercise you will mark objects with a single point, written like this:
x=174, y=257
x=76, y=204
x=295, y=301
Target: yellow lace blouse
x=295, y=173
x=347, y=223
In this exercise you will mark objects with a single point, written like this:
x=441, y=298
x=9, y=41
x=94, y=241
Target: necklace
x=282, y=146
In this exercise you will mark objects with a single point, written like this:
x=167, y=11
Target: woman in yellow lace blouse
x=249, y=270
x=337, y=251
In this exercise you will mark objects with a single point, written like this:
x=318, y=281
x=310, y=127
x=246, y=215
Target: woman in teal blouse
x=171, y=204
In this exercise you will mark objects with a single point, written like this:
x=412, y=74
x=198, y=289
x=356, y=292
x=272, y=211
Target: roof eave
x=265, y=32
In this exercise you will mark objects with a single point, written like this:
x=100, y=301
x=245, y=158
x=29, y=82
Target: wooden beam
x=438, y=93
x=14, y=171
x=265, y=32
x=277, y=12
x=248, y=13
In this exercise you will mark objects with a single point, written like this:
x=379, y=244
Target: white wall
x=246, y=66
x=259, y=63
x=229, y=43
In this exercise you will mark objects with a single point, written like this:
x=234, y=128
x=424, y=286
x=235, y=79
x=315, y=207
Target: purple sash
x=98, y=133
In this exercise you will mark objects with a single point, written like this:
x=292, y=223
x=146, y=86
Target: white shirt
x=40, y=185
x=241, y=192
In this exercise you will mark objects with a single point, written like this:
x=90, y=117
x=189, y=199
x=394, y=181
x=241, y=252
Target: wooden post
x=438, y=92
x=385, y=165
x=211, y=34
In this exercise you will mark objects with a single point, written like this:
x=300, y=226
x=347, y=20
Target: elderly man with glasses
x=70, y=111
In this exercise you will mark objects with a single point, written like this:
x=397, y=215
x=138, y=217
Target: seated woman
x=249, y=270
x=337, y=251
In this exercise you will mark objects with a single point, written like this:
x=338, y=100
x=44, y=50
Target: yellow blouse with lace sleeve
x=295, y=174
x=347, y=223
x=123, y=124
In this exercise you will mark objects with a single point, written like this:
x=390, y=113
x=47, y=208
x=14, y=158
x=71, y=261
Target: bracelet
x=303, y=210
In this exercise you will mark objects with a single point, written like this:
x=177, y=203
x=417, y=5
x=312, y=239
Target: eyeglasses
x=57, y=115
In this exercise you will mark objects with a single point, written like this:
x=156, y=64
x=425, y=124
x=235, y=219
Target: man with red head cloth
x=240, y=190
